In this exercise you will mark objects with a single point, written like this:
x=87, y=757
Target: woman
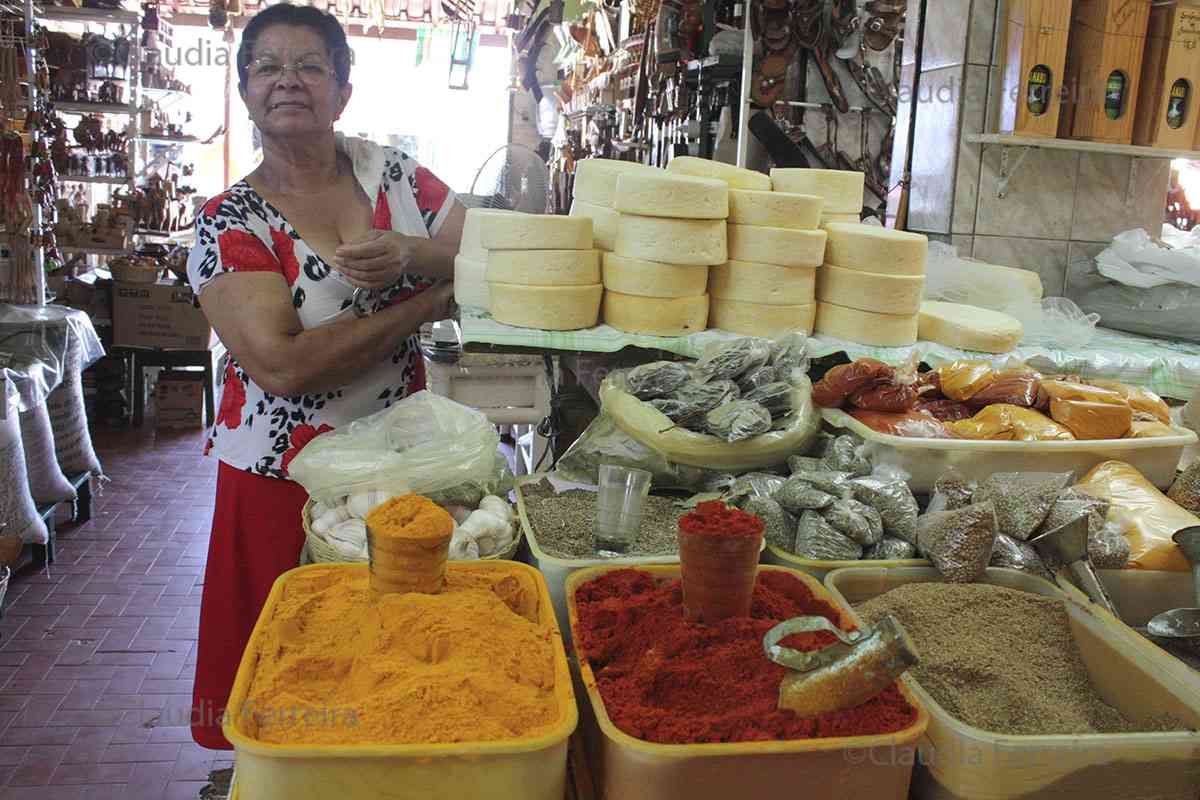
x=277, y=262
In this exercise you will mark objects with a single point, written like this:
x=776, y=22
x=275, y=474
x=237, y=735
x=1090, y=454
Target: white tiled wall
x=1058, y=205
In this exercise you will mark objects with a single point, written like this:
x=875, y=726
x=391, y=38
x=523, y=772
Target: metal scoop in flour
x=1182, y=623
x=844, y=674
x=1067, y=544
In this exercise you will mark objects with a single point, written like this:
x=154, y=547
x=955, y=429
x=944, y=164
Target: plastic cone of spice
x=408, y=539
x=718, y=558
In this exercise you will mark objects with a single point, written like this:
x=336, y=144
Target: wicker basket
x=320, y=551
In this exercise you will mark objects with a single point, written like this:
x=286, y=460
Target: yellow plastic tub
x=519, y=769
x=819, y=569
x=627, y=768
x=962, y=762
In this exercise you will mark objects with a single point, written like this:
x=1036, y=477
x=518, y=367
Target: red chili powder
x=669, y=681
x=714, y=518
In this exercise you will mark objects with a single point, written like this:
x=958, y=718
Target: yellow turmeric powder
x=408, y=538
x=410, y=516
x=339, y=666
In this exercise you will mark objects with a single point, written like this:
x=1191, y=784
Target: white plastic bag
x=1134, y=259
x=423, y=444
x=1055, y=322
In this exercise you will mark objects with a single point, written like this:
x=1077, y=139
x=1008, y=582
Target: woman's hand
x=440, y=297
x=377, y=260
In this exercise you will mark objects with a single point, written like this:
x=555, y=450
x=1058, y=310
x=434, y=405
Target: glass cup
x=620, y=504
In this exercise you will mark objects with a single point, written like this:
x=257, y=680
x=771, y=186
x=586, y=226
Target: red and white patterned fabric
x=239, y=231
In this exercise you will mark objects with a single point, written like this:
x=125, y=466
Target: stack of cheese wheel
x=542, y=271
x=595, y=193
x=869, y=290
x=670, y=230
x=841, y=190
x=766, y=286
x=470, y=265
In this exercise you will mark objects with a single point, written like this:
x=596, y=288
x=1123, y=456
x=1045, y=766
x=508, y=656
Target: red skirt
x=257, y=535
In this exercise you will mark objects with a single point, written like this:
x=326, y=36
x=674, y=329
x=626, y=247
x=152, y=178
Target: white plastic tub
x=962, y=762
x=556, y=569
x=927, y=459
x=876, y=767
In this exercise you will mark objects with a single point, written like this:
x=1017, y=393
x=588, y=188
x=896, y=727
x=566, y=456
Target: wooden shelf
x=92, y=15
x=1077, y=146
x=109, y=179
x=164, y=94
x=69, y=107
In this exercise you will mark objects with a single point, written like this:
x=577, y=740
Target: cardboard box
x=159, y=315
x=179, y=400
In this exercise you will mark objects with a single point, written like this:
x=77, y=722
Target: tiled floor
x=97, y=651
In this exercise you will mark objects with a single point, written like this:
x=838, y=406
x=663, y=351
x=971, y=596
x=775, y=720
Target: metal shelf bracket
x=1009, y=167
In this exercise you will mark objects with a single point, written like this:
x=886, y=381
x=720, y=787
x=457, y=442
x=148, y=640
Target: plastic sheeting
x=33, y=347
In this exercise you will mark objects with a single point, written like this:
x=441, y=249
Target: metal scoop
x=1067, y=544
x=1182, y=623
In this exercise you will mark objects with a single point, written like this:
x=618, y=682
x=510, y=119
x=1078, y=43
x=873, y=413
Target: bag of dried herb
x=797, y=495
x=950, y=492
x=658, y=379
x=758, y=378
x=960, y=542
x=790, y=352
x=817, y=540
x=1107, y=548
x=775, y=397
x=737, y=421
x=779, y=526
x=890, y=549
x=691, y=401
x=1021, y=556
x=1186, y=489
x=757, y=484
x=895, y=503
x=856, y=521
x=728, y=361
x=847, y=454
x=1022, y=499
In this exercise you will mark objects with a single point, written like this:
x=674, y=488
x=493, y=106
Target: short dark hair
x=324, y=23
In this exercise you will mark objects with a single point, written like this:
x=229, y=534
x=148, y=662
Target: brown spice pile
x=564, y=524
x=1002, y=660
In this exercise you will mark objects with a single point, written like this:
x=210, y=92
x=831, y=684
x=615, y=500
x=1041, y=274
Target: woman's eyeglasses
x=309, y=71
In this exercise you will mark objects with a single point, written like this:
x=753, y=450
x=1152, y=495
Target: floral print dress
x=239, y=231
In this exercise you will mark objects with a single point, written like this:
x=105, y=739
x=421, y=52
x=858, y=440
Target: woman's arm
x=253, y=314
x=381, y=257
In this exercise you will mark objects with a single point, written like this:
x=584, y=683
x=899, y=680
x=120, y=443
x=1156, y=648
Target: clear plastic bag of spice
x=1022, y=499
x=658, y=379
x=959, y=543
x=730, y=360
x=738, y=420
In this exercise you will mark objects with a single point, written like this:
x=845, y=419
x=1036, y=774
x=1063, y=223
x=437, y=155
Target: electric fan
x=513, y=178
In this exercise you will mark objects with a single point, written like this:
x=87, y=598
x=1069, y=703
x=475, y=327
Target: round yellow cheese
x=782, y=246
x=866, y=327
x=596, y=179
x=548, y=308
x=470, y=282
x=544, y=267
x=870, y=291
x=471, y=244
x=841, y=189
x=758, y=319
x=652, y=279
x=774, y=209
x=970, y=327
x=851, y=219
x=767, y=284
x=661, y=194
x=656, y=316
x=736, y=177
x=604, y=222
x=871, y=248
x=671, y=241
x=535, y=232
